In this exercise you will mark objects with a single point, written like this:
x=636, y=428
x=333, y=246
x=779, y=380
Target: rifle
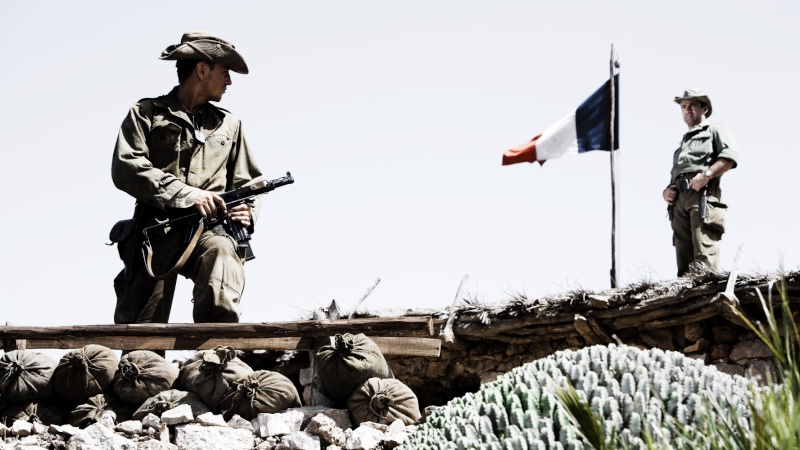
x=234, y=229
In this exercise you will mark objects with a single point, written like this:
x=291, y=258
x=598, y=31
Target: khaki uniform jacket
x=158, y=157
x=701, y=147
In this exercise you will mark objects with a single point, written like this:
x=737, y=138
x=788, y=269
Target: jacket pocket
x=164, y=143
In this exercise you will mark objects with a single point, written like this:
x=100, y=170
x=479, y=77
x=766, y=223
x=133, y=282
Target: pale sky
x=393, y=117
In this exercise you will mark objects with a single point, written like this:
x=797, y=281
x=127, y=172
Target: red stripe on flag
x=522, y=153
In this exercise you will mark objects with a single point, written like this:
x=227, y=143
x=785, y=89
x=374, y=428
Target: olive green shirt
x=701, y=147
x=160, y=157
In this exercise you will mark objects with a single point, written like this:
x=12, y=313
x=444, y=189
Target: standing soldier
x=181, y=151
x=694, y=196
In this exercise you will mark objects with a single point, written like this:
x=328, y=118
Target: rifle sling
x=147, y=253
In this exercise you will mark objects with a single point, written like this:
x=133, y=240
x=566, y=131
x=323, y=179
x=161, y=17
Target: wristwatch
x=708, y=173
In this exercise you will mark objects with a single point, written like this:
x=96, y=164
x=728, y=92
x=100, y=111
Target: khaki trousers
x=696, y=239
x=214, y=266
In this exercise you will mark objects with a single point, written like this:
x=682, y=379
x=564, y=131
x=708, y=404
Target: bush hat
x=698, y=94
x=203, y=46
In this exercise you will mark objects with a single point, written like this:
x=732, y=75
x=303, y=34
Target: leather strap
x=147, y=253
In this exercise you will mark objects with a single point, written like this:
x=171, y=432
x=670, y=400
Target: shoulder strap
x=147, y=253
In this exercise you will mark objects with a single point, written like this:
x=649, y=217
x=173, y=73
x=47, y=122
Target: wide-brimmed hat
x=698, y=94
x=203, y=46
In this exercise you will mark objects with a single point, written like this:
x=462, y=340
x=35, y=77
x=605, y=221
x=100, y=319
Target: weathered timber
x=645, y=316
x=654, y=304
x=394, y=327
x=503, y=324
x=406, y=346
x=13, y=344
x=534, y=339
x=493, y=330
x=591, y=330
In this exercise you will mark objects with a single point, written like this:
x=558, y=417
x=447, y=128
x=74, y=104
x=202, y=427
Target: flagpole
x=613, y=63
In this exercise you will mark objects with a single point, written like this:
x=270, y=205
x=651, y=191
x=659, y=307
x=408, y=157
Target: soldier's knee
x=219, y=246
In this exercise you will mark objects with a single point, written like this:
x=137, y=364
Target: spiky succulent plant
x=639, y=396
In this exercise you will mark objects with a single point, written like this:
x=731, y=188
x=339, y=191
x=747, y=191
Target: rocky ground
x=304, y=428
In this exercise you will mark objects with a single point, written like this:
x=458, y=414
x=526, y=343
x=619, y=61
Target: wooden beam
x=10, y=345
x=406, y=346
x=591, y=330
x=406, y=326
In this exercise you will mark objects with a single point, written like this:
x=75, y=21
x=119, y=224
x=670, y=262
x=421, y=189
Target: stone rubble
x=304, y=428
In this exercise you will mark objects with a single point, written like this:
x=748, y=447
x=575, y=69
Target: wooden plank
x=406, y=326
x=10, y=345
x=173, y=343
x=404, y=346
x=410, y=346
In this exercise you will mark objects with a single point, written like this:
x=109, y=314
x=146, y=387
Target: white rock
x=152, y=444
x=326, y=428
x=198, y=437
x=395, y=439
x=364, y=438
x=99, y=437
x=279, y=424
x=21, y=428
x=396, y=434
x=378, y=426
x=395, y=427
x=130, y=427
x=39, y=428
x=28, y=442
x=210, y=419
x=268, y=443
x=241, y=423
x=65, y=430
x=152, y=421
x=340, y=416
x=299, y=441
x=177, y=415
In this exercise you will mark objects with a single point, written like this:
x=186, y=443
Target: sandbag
x=170, y=399
x=262, y=391
x=351, y=360
x=211, y=374
x=142, y=374
x=25, y=376
x=96, y=407
x=84, y=373
x=383, y=401
x=45, y=413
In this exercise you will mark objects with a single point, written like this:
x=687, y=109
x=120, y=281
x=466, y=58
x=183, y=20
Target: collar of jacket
x=695, y=130
x=212, y=115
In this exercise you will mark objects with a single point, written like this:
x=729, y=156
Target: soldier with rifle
x=694, y=196
x=179, y=154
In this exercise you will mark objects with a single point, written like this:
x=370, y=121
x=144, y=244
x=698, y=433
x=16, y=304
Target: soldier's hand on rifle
x=242, y=214
x=207, y=203
x=669, y=194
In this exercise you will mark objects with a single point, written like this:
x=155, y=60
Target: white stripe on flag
x=559, y=139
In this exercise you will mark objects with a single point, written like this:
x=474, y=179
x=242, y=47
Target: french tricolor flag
x=583, y=130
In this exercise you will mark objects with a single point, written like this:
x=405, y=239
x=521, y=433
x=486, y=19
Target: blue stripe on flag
x=593, y=117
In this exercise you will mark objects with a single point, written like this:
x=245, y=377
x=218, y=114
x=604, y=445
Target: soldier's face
x=216, y=81
x=693, y=112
